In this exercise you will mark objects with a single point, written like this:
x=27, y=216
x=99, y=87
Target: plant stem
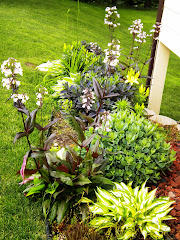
x=26, y=131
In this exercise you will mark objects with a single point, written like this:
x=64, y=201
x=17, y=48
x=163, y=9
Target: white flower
x=11, y=66
x=107, y=9
x=21, y=97
x=38, y=103
x=87, y=99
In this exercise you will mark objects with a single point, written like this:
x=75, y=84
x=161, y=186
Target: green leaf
x=82, y=180
x=64, y=177
x=53, y=212
x=61, y=211
x=86, y=200
x=46, y=207
x=77, y=128
x=38, y=188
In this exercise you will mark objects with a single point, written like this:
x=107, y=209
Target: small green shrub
x=135, y=149
x=130, y=212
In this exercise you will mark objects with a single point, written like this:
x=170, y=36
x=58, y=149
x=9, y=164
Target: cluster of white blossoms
x=112, y=53
x=87, y=99
x=155, y=30
x=104, y=122
x=10, y=68
x=40, y=95
x=136, y=29
x=10, y=83
x=111, y=16
x=141, y=37
x=19, y=97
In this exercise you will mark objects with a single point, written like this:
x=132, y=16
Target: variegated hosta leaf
x=129, y=209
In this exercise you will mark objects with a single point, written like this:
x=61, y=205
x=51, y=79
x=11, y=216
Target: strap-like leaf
x=18, y=136
x=97, y=89
x=86, y=142
x=53, y=212
x=23, y=110
x=89, y=119
x=50, y=124
x=61, y=211
x=49, y=141
x=74, y=140
x=38, y=126
x=77, y=128
x=28, y=123
x=111, y=95
x=81, y=123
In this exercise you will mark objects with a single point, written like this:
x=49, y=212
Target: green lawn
x=33, y=32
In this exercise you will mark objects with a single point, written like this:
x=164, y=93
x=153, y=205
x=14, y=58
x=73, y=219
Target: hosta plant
x=135, y=149
x=130, y=212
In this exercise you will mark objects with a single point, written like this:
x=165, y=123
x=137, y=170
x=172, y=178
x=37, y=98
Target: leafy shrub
x=135, y=150
x=130, y=211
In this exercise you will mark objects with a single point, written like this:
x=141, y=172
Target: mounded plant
x=130, y=212
x=135, y=149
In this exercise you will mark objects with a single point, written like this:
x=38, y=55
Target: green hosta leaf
x=127, y=234
x=102, y=200
x=165, y=228
x=144, y=232
x=64, y=177
x=82, y=180
x=61, y=210
x=106, y=195
x=100, y=221
x=99, y=209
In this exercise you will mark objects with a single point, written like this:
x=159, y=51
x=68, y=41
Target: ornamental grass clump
x=130, y=213
x=135, y=149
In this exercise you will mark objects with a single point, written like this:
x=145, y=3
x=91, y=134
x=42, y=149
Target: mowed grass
x=33, y=32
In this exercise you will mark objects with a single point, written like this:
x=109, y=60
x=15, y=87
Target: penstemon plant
x=61, y=178
x=12, y=71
